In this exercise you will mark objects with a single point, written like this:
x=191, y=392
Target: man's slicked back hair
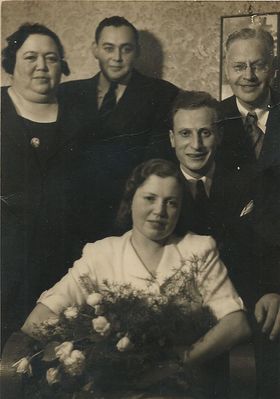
x=115, y=21
x=189, y=100
x=250, y=33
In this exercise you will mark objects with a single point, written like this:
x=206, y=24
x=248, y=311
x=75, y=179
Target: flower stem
x=86, y=315
x=81, y=339
x=36, y=354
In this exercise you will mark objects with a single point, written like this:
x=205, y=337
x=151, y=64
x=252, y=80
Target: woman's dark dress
x=40, y=236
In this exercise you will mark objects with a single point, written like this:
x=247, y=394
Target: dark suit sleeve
x=159, y=144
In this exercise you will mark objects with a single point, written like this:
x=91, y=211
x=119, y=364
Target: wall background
x=180, y=39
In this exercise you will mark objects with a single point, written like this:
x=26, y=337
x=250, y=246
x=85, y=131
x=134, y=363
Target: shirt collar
x=103, y=87
x=262, y=112
x=104, y=83
x=207, y=180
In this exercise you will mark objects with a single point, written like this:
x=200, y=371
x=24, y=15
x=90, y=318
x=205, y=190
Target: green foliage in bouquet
x=122, y=338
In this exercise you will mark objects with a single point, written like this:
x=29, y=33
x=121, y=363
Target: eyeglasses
x=256, y=67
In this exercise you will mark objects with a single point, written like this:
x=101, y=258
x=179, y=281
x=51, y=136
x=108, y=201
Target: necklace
x=153, y=274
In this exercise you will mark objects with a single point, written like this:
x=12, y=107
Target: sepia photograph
x=140, y=199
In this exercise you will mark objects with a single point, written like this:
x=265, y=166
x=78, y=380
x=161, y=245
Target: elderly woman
x=153, y=199
x=39, y=149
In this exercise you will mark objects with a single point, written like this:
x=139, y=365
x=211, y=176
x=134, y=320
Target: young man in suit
x=252, y=114
x=119, y=100
x=196, y=136
x=236, y=208
x=123, y=112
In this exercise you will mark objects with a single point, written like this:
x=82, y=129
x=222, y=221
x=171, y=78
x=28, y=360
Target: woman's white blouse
x=115, y=260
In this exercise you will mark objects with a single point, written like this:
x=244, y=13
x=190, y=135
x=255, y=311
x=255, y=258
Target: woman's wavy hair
x=158, y=167
x=16, y=40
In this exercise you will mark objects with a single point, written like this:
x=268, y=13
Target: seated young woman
x=153, y=201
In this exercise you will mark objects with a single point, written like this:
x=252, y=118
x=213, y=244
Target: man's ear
x=226, y=66
x=94, y=49
x=274, y=66
x=171, y=138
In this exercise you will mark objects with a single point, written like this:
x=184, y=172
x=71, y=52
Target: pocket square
x=247, y=208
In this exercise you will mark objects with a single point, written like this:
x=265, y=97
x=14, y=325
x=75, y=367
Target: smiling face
x=195, y=138
x=37, y=70
x=249, y=71
x=116, y=52
x=155, y=208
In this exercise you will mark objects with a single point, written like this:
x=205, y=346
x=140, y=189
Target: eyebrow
x=252, y=62
x=237, y=61
x=190, y=129
x=122, y=44
x=149, y=193
x=36, y=52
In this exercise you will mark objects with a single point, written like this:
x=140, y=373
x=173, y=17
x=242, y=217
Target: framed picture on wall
x=230, y=24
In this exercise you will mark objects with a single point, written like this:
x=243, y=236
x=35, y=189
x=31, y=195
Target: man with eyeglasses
x=251, y=144
x=252, y=125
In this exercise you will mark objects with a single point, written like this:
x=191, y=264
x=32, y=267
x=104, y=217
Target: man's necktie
x=109, y=101
x=201, y=215
x=201, y=198
x=255, y=134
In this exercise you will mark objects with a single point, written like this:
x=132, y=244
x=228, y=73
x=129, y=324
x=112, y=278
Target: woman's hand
x=38, y=315
x=230, y=330
x=181, y=353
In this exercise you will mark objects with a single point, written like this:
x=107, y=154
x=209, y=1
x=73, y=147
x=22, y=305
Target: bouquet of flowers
x=120, y=339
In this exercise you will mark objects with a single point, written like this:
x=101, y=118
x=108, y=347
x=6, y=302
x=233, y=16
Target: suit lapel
x=93, y=94
x=68, y=128
x=237, y=143
x=231, y=192
x=270, y=153
x=132, y=104
x=239, y=139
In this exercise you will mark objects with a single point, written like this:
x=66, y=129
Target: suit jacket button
x=35, y=142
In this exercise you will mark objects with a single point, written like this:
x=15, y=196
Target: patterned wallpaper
x=180, y=39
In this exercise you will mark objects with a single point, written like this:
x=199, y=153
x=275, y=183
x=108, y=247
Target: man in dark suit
x=238, y=209
x=123, y=112
x=196, y=136
x=138, y=103
x=252, y=114
x=252, y=142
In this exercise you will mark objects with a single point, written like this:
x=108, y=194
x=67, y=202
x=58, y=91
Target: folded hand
x=267, y=312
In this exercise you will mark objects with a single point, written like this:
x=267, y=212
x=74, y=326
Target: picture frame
x=232, y=23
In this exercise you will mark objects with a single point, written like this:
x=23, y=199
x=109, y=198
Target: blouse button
x=35, y=142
